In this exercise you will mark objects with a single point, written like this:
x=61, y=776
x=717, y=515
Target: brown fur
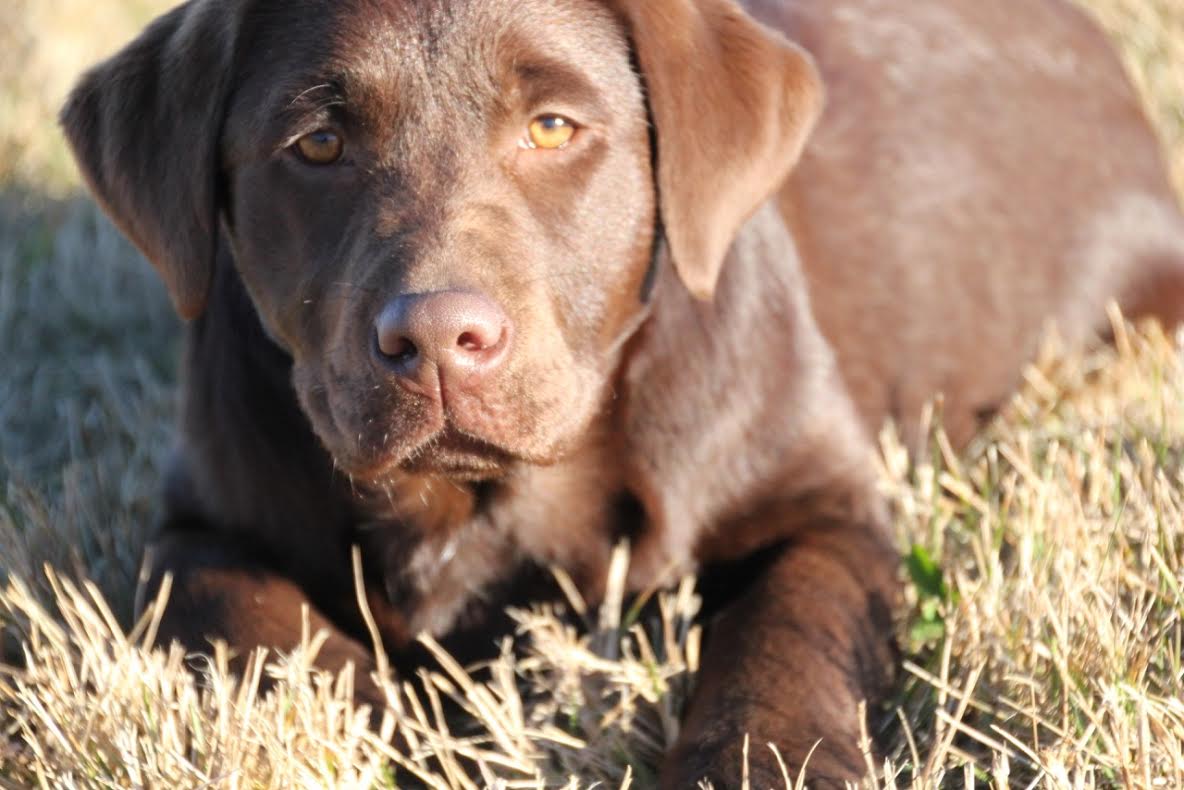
x=702, y=340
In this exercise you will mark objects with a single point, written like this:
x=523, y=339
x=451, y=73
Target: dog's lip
x=448, y=452
x=456, y=450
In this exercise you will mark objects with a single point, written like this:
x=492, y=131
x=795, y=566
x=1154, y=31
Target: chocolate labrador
x=485, y=287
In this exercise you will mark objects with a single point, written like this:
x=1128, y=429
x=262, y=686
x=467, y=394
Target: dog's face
x=444, y=210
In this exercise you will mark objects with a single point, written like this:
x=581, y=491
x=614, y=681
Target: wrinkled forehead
x=388, y=59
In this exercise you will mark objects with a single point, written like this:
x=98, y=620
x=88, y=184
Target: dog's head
x=446, y=211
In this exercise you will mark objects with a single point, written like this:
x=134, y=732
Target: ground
x=1045, y=565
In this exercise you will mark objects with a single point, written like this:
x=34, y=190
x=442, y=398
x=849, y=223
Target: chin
x=459, y=456
x=447, y=453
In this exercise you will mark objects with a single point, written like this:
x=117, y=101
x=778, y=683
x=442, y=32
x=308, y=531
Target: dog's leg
x=217, y=589
x=789, y=661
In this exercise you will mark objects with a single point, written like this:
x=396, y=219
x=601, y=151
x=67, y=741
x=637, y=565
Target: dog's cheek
x=288, y=240
x=334, y=415
x=615, y=224
x=555, y=405
x=584, y=294
x=314, y=401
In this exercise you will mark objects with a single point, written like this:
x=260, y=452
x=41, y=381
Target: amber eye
x=322, y=147
x=550, y=131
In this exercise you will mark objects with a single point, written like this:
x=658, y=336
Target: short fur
x=705, y=337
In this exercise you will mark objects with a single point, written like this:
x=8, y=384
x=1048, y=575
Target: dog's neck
x=805, y=439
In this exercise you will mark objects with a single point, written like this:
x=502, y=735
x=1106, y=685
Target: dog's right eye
x=321, y=147
x=550, y=132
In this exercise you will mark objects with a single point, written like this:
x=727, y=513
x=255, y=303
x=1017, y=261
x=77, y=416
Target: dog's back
x=979, y=169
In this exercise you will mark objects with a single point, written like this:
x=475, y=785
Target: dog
x=485, y=287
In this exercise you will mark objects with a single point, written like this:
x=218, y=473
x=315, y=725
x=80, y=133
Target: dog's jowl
x=485, y=286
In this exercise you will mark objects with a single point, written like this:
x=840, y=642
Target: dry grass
x=1063, y=553
x=1044, y=637
x=1150, y=34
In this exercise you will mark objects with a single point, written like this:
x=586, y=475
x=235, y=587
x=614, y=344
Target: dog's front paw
x=694, y=765
x=725, y=766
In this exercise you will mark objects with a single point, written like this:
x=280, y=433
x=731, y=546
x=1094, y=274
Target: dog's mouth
x=376, y=432
x=449, y=453
x=457, y=455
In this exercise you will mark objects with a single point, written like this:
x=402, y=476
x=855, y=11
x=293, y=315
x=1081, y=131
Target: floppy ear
x=144, y=127
x=733, y=103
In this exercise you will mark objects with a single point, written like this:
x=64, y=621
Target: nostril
x=400, y=350
x=477, y=340
x=394, y=345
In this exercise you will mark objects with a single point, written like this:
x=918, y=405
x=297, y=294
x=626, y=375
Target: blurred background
x=87, y=341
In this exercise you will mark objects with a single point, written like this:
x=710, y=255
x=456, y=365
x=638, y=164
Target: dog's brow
x=323, y=94
x=543, y=81
x=310, y=102
x=304, y=93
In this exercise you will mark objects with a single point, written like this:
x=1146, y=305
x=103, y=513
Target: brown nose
x=464, y=335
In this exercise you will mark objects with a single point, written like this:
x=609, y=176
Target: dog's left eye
x=549, y=131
